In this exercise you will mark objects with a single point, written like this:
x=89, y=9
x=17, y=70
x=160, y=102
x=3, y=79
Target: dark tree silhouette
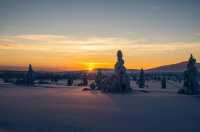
x=29, y=76
x=163, y=83
x=141, y=81
x=69, y=82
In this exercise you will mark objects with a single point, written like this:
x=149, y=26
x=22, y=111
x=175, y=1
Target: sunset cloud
x=62, y=43
x=90, y=51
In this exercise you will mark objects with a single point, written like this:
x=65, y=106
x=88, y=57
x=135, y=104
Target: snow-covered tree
x=119, y=82
x=190, y=85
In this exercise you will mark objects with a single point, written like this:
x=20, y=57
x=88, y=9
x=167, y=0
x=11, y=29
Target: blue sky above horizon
x=151, y=25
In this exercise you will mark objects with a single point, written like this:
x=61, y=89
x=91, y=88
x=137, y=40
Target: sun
x=90, y=68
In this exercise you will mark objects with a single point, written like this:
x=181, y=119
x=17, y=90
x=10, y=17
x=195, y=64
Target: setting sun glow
x=85, y=35
x=90, y=66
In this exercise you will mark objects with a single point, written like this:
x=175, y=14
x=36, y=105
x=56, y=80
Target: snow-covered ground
x=69, y=109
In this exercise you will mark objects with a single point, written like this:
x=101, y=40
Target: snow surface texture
x=69, y=109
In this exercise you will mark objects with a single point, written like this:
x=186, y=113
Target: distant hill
x=178, y=67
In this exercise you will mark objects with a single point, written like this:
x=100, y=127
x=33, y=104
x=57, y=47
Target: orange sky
x=78, y=53
x=86, y=34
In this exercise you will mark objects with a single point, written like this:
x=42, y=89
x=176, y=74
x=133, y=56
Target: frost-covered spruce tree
x=141, y=81
x=120, y=81
x=190, y=85
x=163, y=83
x=29, y=76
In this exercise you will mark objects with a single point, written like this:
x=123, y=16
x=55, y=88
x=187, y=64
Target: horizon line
x=54, y=69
